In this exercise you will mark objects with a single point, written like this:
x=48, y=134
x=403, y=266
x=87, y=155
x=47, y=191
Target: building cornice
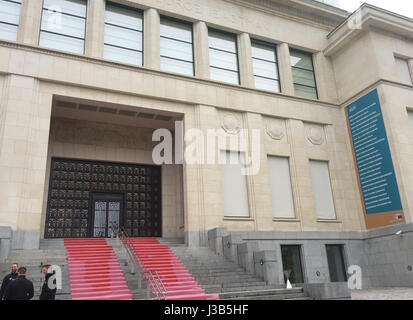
x=309, y=10
x=366, y=18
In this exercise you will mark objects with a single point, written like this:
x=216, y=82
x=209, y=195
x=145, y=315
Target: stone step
x=37, y=260
x=294, y=296
x=245, y=287
x=259, y=293
x=224, y=280
x=230, y=285
x=207, y=267
x=64, y=297
x=218, y=273
x=209, y=261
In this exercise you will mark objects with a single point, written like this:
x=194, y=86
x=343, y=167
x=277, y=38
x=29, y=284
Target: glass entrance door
x=107, y=214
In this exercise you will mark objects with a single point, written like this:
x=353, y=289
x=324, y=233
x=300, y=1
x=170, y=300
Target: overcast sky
x=404, y=7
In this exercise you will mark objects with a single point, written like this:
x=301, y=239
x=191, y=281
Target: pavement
x=383, y=294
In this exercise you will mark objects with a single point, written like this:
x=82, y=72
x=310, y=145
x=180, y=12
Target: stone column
x=194, y=210
x=201, y=50
x=284, y=65
x=245, y=60
x=411, y=68
x=151, y=39
x=23, y=158
x=5, y=235
x=301, y=175
x=325, y=80
x=29, y=25
x=95, y=29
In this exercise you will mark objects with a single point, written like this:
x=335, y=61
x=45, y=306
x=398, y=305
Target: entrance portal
x=89, y=199
x=106, y=214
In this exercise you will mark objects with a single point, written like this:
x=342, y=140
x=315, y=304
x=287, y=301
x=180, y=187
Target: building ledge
x=322, y=14
x=328, y=221
x=285, y=220
x=238, y=219
x=366, y=18
x=143, y=69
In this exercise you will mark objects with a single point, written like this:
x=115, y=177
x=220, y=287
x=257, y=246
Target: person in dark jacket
x=21, y=288
x=48, y=289
x=9, y=278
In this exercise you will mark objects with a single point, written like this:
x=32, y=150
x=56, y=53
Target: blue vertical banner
x=377, y=178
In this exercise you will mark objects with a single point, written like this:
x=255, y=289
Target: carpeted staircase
x=94, y=271
x=178, y=281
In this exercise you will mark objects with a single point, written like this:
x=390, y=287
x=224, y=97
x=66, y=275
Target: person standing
x=48, y=289
x=21, y=288
x=9, y=278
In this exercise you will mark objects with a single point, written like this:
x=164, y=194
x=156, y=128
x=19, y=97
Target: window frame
x=12, y=24
x=301, y=256
x=122, y=6
x=343, y=260
x=310, y=160
x=311, y=55
x=235, y=35
x=276, y=62
x=192, y=43
x=294, y=206
x=406, y=61
x=65, y=35
x=228, y=154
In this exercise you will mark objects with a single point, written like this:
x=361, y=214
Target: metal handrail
x=151, y=277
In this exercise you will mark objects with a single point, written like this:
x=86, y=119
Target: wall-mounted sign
x=377, y=178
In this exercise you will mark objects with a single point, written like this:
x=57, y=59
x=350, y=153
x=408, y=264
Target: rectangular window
x=336, y=265
x=281, y=190
x=123, y=34
x=63, y=25
x=403, y=70
x=303, y=74
x=323, y=194
x=292, y=265
x=9, y=19
x=223, y=57
x=176, y=47
x=264, y=59
x=234, y=184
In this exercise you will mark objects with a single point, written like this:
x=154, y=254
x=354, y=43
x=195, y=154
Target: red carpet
x=177, y=280
x=94, y=271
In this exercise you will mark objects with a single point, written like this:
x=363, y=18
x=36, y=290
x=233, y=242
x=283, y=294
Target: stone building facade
x=85, y=84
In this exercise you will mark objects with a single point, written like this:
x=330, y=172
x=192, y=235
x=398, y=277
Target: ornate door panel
x=107, y=214
x=71, y=208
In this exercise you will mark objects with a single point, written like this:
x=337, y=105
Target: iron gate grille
x=74, y=182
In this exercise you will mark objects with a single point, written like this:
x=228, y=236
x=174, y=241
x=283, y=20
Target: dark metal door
x=74, y=185
x=106, y=215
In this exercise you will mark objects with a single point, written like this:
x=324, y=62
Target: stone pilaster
x=95, y=29
x=201, y=50
x=29, y=25
x=151, y=39
x=23, y=159
x=284, y=65
x=245, y=60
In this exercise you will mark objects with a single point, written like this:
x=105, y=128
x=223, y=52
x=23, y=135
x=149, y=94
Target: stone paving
x=383, y=294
